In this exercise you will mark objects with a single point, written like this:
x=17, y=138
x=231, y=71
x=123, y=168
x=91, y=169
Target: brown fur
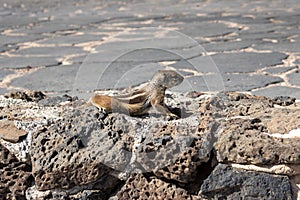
x=140, y=101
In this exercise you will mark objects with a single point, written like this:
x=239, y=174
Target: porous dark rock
x=62, y=156
x=140, y=186
x=226, y=182
x=240, y=104
x=28, y=95
x=247, y=133
x=284, y=100
x=281, y=120
x=247, y=141
x=52, y=101
x=15, y=176
x=75, y=150
x=174, y=150
x=103, y=143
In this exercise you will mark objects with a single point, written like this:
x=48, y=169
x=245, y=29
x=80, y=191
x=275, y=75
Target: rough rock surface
x=9, y=132
x=27, y=95
x=15, y=176
x=72, y=150
x=151, y=187
x=247, y=132
x=226, y=182
x=66, y=141
x=248, y=142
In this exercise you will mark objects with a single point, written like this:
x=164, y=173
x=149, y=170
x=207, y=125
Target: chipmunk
x=141, y=100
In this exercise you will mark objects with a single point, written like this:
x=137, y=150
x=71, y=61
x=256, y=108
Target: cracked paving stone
x=53, y=51
x=296, y=38
x=8, y=40
x=17, y=20
x=205, y=29
x=72, y=39
x=4, y=73
x=280, y=34
x=253, y=38
x=289, y=31
x=144, y=46
x=289, y=19
x=166, y=8
x=208, y=17
x=276, y=91
x=226, y=82
x=283, y=47
x=89, y=76
x=49, y=79
x=256, y=29
x=8, y=48
x=78, y=21
x=201, y=83
x=119, y=75
x=98, y=30
x=249, y=21
x=134, y=54
x=61, y=23
x=47, y=27
x=78, y=59
x=246, y=62
x=137, y=24
x=242, y=82
x=20, y=62
x=226, y=46
x=259, y=32
x=294, y=78
x=136, y=75
x=279, y=70
x=4, y=12
x=3, y=49
x=201, y=64
x=3, y=90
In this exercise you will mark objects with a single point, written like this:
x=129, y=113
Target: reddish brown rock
x=247, y=142
x=9, y=132
x=15, y=176
x=139, y=186
x=281, y=120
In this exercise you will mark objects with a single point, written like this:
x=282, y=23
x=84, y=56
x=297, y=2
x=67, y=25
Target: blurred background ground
x=78, y=46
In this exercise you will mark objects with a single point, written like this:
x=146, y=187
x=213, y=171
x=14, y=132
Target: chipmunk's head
x=167, y=78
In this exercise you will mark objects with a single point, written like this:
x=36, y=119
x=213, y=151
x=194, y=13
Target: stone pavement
x=78, y=46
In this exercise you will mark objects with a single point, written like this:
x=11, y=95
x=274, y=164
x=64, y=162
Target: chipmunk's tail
x=102, y=101
x=113, y=104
